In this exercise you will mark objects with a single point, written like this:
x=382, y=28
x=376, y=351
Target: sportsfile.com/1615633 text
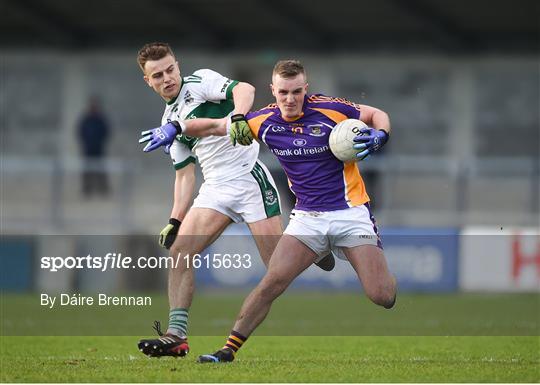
x=117, y=261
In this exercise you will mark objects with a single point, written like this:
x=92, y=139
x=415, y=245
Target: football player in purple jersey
x=332, y=210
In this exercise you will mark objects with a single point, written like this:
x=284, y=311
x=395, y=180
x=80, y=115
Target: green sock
x=178, y=322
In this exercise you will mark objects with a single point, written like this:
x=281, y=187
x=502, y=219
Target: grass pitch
x=277, y=359
x=317, y=337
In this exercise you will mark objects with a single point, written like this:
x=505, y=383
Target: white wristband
x=182, y=126
x=229, y=123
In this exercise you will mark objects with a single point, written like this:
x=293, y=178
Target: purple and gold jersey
x=319, y=180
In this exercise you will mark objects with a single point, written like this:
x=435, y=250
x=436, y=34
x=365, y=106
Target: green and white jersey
x=207, y=94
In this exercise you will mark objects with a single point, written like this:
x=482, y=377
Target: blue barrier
x=16, y=256
x=423, y=259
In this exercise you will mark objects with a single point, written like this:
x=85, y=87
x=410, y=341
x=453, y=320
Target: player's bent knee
x=384, y=300
x=383, y=295
x=390, y=304
x=389, y=299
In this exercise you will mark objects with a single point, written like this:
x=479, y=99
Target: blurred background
x=459, y=79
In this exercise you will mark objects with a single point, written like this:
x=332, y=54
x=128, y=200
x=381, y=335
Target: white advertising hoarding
x=497, y=259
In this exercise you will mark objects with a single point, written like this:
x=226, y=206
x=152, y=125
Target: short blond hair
x=153, y=51
x=288, y=69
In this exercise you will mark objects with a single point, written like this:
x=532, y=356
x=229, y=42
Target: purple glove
x=161, y=136
x=370, y=140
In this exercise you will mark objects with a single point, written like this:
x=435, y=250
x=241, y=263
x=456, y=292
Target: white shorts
x=329, y=231
x=248, y=198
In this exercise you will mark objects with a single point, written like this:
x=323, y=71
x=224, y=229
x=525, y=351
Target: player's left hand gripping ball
x=161, y=136
x=369, y=141
x=240, y=132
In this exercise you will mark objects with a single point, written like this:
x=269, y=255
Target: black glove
x=169, y=232
x=240, y=132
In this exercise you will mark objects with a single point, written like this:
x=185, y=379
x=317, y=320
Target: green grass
x=308, y=337
x=277, y=359
x=295, y=313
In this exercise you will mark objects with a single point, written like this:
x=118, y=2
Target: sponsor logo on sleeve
x=227, y=83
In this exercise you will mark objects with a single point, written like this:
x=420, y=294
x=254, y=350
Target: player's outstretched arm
x=243, y=97
x=373, y=138
x=203, y=127
x=164, y=136
x=236, y=126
